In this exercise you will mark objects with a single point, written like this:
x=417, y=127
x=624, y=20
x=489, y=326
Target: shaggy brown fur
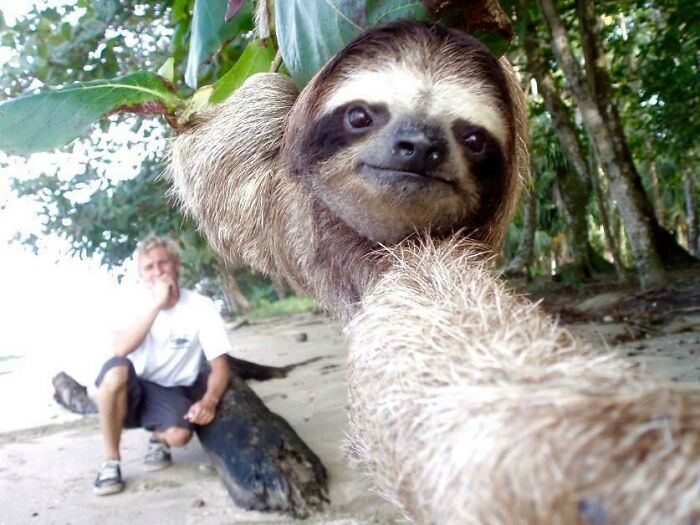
x=467, y=404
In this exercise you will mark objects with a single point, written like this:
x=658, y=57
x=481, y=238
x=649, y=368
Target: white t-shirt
x=171, y=353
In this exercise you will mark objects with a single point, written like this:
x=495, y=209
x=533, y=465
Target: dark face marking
x=479, y=147
x=335, y=131
x=483, y=153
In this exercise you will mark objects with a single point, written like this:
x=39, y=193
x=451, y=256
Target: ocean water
x=55, y=315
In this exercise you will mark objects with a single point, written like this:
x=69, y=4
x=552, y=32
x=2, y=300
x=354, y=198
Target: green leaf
x=309, y=33
x=256, y=58
x=196, y=102
x=167, y=70
x=210, y=30
x=385, y=11
x=233, y=7
x=496, y=43
x=49, y=120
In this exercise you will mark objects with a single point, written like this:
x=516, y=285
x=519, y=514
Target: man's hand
x=162, y=290
x=202, y=412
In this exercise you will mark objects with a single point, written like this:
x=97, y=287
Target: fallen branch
x=72, y=395
x=263, y=463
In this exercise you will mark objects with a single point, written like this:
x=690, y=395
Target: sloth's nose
x=417, y=149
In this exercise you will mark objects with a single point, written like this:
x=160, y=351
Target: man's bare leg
x=158, y=456
x=175, y=437
x=112, y=404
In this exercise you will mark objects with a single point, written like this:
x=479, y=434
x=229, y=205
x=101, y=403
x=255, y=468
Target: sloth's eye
x=475, y=142
x=358, y=117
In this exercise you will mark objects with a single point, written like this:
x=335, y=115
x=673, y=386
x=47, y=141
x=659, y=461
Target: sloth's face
x=409, y=144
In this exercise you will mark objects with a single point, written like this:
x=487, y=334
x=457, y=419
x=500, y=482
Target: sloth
x=384, y=142
x=381, y=189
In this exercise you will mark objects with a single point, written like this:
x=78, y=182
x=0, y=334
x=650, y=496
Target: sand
x=46, y=472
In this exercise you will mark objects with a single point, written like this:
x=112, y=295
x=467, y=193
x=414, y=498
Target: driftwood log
x=247, y=370
x=263, y=463
x=72, y=395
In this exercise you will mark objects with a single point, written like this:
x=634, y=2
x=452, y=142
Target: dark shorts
x=152, y=406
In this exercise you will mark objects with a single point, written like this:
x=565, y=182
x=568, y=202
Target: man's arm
x=203, y=411
x=126, y=341
x=129, y=340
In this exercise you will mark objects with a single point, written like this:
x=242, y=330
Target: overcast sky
x=55, y=311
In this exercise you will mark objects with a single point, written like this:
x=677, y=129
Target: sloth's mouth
x=393, y=173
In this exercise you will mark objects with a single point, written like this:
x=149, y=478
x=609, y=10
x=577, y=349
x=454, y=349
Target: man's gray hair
x=157, y=241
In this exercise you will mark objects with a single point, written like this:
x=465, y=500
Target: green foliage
x=115, y=216
x=661, y=52
x=286, y=306
x=83, y=41
x=210, y=31
x=256, y=286
x=653, y=64
x=309, y=33
x=96, y=211
x=54, y=118
x=654, y=53
x=256, y=58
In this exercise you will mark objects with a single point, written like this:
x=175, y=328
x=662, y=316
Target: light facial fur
x=429, y=95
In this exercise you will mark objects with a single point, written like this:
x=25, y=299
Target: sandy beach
x=46, y=472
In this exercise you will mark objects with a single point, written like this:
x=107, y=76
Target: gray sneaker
x=158, y=456
x=109, y=479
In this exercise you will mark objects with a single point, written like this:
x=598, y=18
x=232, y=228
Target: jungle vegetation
x=611, y=88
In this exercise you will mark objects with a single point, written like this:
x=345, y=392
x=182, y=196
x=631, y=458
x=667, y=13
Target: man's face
x=157, y=264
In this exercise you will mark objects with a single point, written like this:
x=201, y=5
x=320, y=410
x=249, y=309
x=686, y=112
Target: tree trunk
x=655, y=190
x=248, y=370
x=610, y=243
x=574, y=198
x=522, y=261
x=563, y=126
x=640, y=224
x=691, y=206
x=667, y=247
x=72, y=395
x=237, y=302
x=575, y=184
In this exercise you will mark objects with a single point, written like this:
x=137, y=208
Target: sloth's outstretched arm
x=226, y=172
x=469, y=406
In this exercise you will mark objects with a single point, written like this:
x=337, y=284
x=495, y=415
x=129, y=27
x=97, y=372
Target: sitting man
x=155, y=378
